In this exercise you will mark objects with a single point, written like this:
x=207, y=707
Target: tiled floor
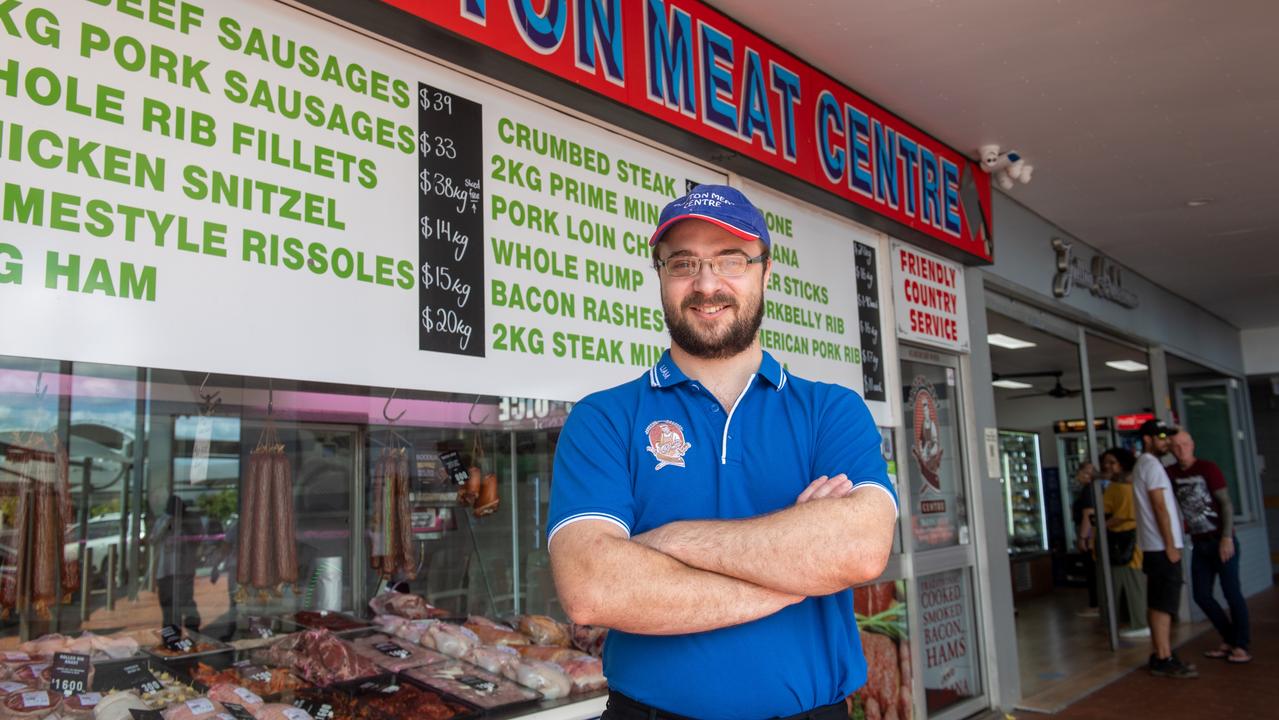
x=1221, y=691
x=1064, y=657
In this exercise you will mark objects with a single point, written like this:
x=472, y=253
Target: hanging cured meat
x=36, y=481
x=392, y=553
x=268, y=555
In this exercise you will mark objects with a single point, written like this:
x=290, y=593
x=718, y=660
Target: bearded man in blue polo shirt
x=716, y=511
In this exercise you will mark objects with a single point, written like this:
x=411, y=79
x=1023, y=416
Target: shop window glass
x=949, y=639
x=939, y=515
x=1206, y=412
x=882, y=622
x=141, y=486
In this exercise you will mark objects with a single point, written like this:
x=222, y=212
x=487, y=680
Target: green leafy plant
x=221, y=505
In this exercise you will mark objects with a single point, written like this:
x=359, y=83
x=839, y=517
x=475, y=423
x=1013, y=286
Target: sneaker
x=1089, y=612
x=1171, y=667
x=1135, y=632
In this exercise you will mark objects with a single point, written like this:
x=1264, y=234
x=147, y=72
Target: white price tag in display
x=200, y=706
x=37, y=699
x=90, y=699
x=12, y=687
x=293, y=713
x=248, y=696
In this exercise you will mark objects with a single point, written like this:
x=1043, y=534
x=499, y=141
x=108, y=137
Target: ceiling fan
x=1058, y=391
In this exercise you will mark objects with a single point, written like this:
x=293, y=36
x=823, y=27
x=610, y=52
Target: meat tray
x=473, y=685
x=248, y=632
x=272, y=684
x=203, y=646
x=391, y=697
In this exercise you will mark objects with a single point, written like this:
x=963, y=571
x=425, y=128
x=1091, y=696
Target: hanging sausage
x=267, y=558
x=37, y=471
x=392, y=554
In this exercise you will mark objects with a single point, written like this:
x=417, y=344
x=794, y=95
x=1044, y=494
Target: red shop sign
x=689, y=65
x=1125, y=423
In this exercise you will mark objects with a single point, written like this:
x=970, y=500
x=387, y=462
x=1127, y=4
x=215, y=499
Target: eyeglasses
x=723, y=265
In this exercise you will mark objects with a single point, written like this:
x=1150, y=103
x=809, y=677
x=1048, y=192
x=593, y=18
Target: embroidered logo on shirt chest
x=666, y=442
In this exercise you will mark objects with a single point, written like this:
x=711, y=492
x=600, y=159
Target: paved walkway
x=1221, y=691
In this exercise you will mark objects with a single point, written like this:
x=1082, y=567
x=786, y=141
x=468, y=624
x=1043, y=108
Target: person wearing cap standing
x=1159, y=537
x=715, y=512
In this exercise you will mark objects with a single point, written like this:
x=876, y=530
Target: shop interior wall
x=1001, y=629
x=1261, y=350
x=1026, y=262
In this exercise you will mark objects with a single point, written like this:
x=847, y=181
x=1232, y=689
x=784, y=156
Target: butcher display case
x=1023, y=492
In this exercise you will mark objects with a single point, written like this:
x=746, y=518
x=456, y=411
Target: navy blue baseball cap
x=717, y=204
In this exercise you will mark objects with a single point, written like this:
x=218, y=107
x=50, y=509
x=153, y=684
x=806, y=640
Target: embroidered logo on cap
x=666, y=442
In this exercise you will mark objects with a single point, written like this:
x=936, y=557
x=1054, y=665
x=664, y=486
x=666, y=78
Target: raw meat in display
x=267, y=555
x=321, y=658
x=391, y=531
x=31, y=704
x=37, y=482
x=36, y=674
x=491, y=633
x=587, y=673
x=469, y=683
x=116, y=706
x=236, y=695
x=407, y=630
x=262, y=681
x=487, y=501
x=589, y=638
x=452, y=640
x=9, y=687
x=546, y=678
x=405, y=701
x=881, y=693
x=79, y=707
x=494, y=659
x=405, y=605
x=549, y=653
x=45, y=645
x=544, y=630
x=195, y=709
x=386, y=652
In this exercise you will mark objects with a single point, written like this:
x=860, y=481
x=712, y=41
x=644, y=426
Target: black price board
x=261, y=627
x=146, y=714
x=450, y=225
x=70, y=673
x=237, y=711
x=174, y=639
x=868, y=322
x=126, y=676
x=453, y=466
x=391, y=649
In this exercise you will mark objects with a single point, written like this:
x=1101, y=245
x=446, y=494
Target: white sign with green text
x=241, y=187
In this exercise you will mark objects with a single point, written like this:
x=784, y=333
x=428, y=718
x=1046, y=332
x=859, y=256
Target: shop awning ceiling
x=1128, y=111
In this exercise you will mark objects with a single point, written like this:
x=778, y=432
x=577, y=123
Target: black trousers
x=621, y=707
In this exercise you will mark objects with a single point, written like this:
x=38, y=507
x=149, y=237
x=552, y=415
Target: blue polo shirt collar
x=667, y=374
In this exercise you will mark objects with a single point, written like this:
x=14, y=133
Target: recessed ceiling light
x=1126, y=365
x=1011, y=384
x=1005, y=341
x=1197, y=202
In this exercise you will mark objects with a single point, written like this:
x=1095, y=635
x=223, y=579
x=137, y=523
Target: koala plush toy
x=1004, y=167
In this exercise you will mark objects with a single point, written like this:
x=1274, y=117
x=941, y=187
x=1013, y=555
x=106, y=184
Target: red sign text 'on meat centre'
x=694, y=68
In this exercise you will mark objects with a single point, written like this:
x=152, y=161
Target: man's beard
x=736, y=338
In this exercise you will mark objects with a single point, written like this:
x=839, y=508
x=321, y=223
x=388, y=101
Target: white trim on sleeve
x=585, y=516
x=872, y=483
